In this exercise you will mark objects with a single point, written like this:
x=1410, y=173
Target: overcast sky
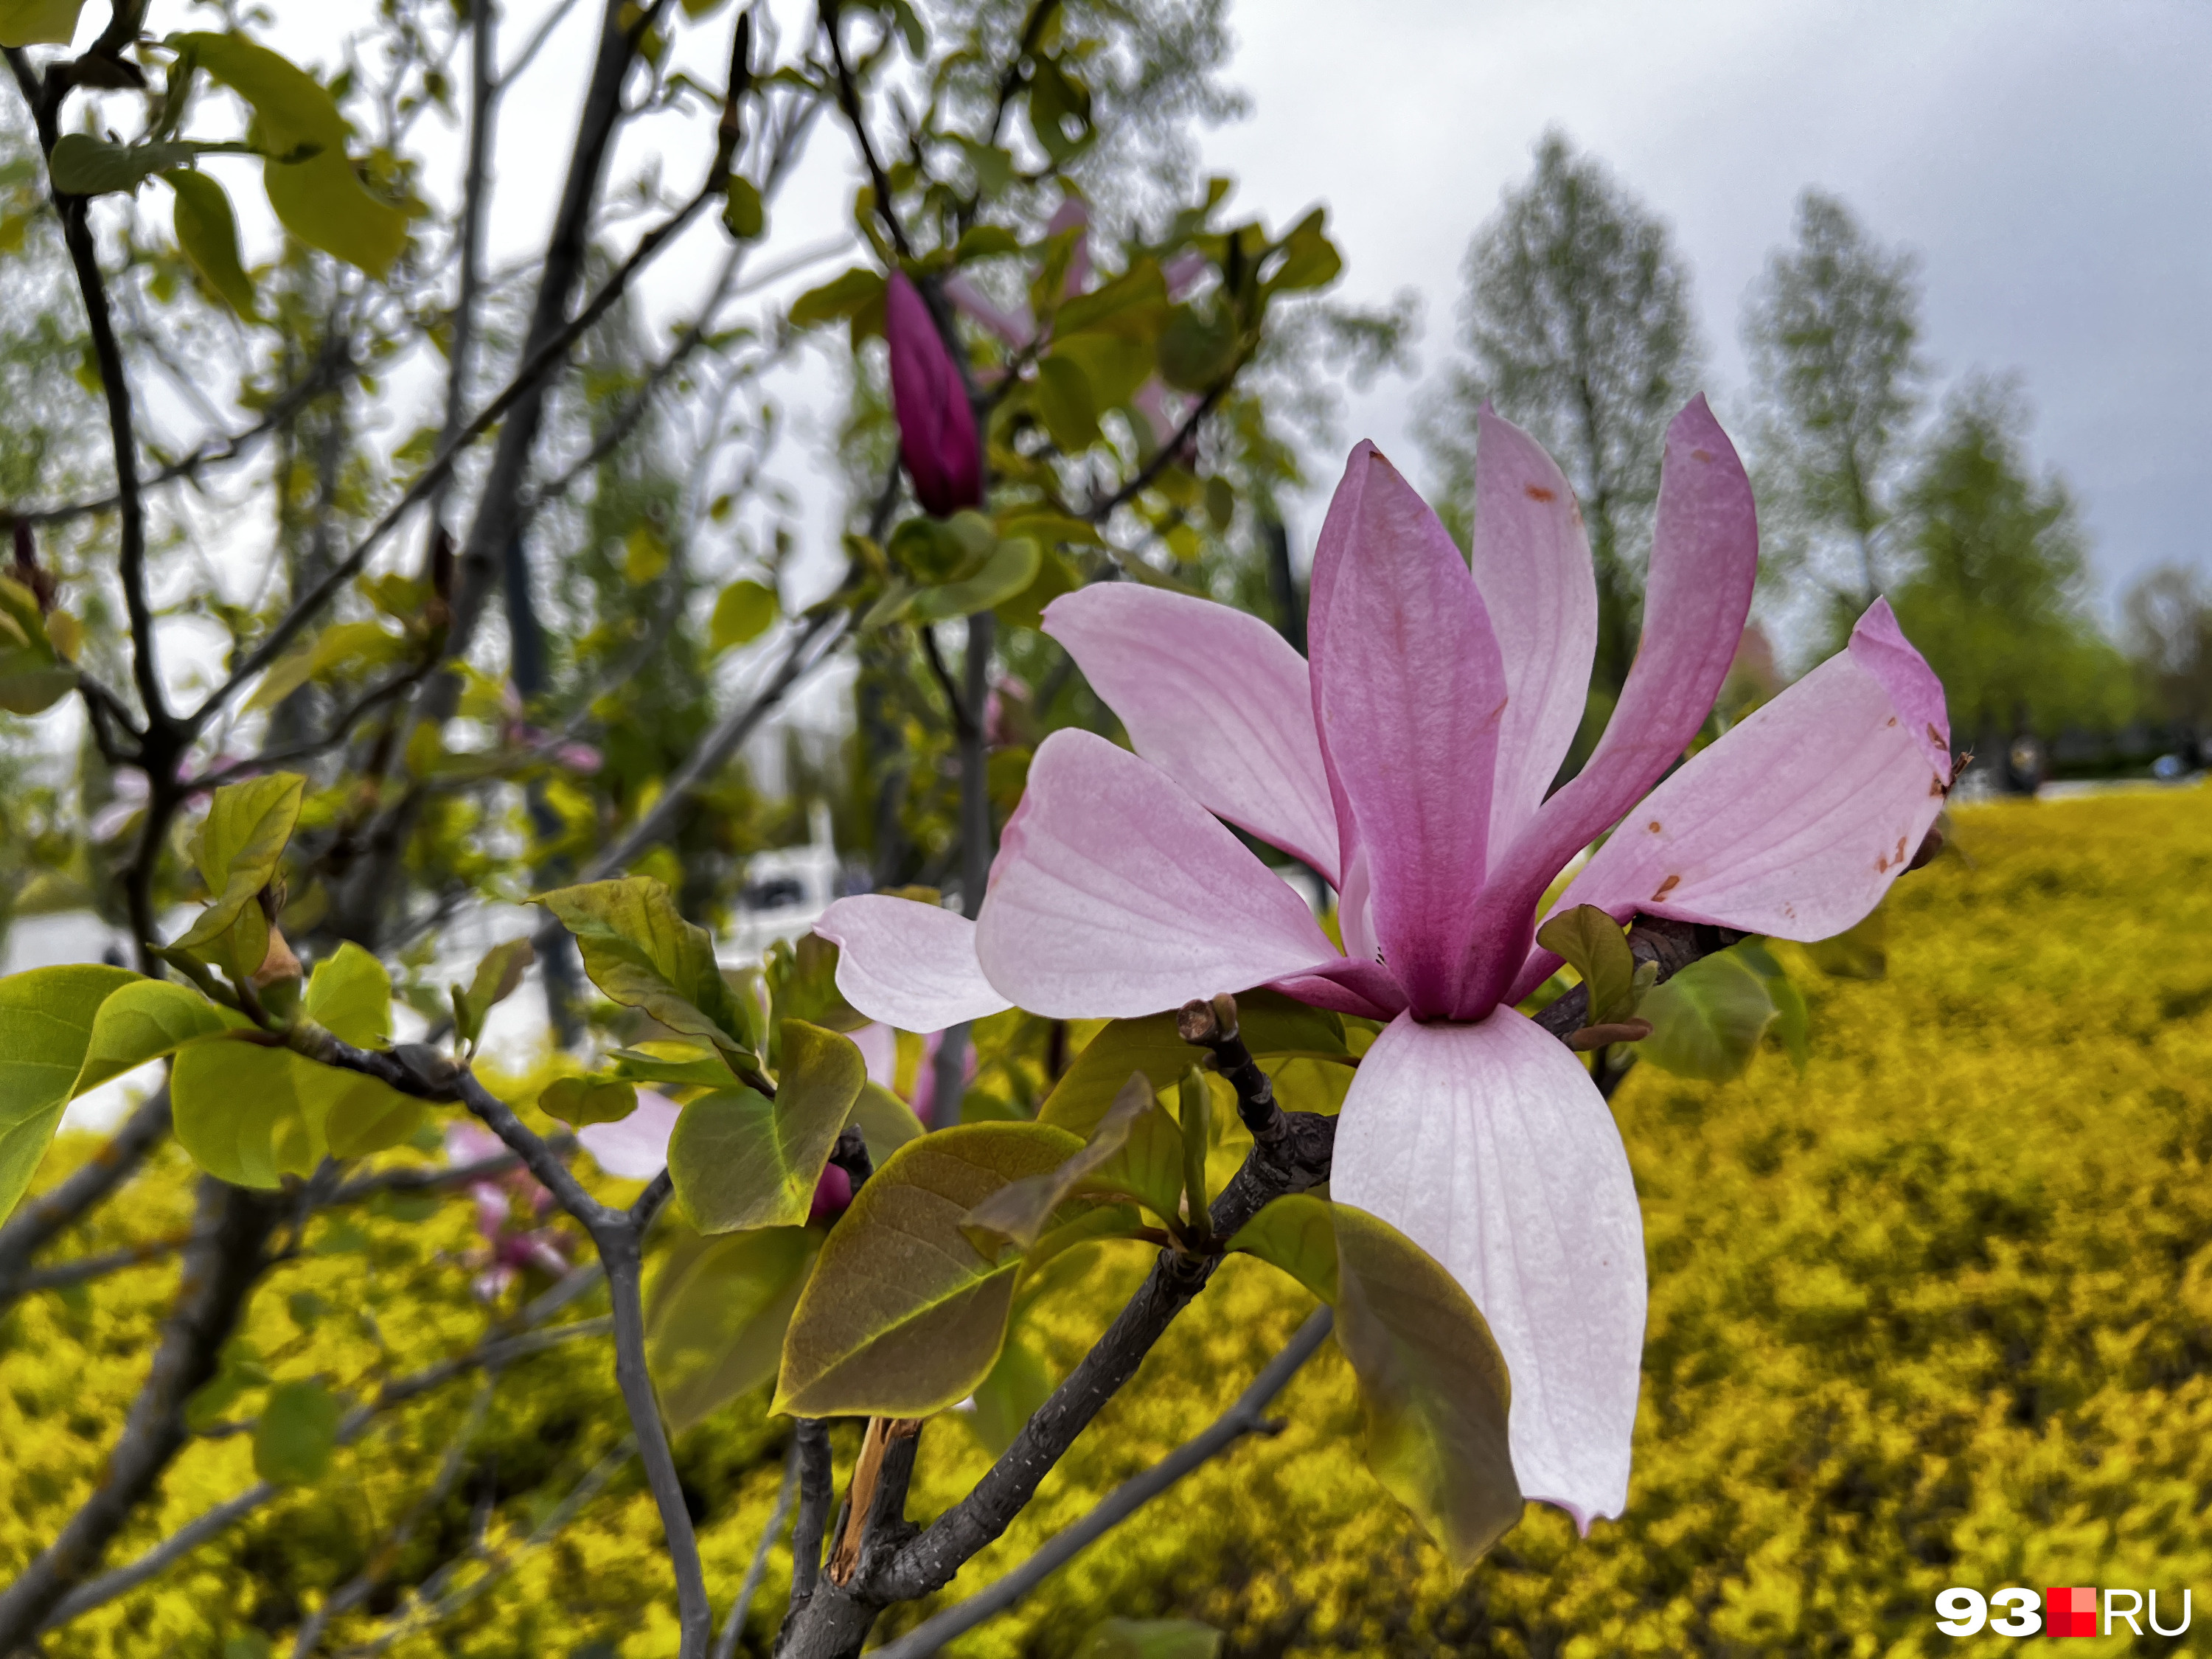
x=2051, y=164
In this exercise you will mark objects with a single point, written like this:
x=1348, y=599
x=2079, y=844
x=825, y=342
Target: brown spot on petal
x=1934, y=736
x=1882, y=865
x=1893, y=719
x=1653, y=826
x=1666, y=887
x=1701, y=454
x=1935, y=783
x=1538, y=493
x=1899, y=859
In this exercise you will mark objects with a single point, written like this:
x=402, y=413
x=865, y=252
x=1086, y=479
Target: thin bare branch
x=1247, y=1417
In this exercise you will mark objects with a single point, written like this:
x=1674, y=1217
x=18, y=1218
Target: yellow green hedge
x=1939, y=1312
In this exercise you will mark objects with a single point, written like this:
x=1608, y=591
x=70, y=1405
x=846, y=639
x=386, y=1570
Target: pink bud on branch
x=937, y=428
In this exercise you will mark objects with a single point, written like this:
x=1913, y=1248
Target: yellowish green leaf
x=716, y=1314
x=47, y=1021
x=740, y=1160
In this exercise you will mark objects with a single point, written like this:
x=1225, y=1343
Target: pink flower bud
x=937, y=429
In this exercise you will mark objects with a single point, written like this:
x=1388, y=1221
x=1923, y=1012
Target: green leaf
x=1707, y=1020
x=1011, y=568
x=323, y=202
x=842, y=296
x=1793, y=1021
x=251, y=1115
x=740, y=1160
x=683, y=1065
x=743, y=214
x=1005, y=1400
x=1019, y=1211
x=47, y=1020
x=207, y=231
x=1594, y=946
x=715, y=1315
x=247, y=825
x=1432, y=1385
x=903, y=1316
x=1195, y=1134
x=1026, y=608
x=643, y=955
x=293, y=109
x=1271, y=1023
x=579, y=1102
x=1310, y=259
x=1196, y=350
x=885, y=1121
x=1064, y=404
x=1150, y=1639
x=297, y=1434
x=986, y=241
x=1133, y=306
x=321, y=199
x=496, y=977
x=38, y=23
x=744, y=611
x=33, y=675
x=350, y=996
x=1860, y=952
x=1296, y=1233
x=144, y=1020
x=82, y=165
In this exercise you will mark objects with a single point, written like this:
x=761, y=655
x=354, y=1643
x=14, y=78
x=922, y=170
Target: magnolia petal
x=1532, y=564
x=1347, y=986
x=879, y=1046
x=906, y=964
x=1116, y=894
x=634, y=1148
x=1489, y=1146
x=1216, y=699
x=1410, y=690
x=1878, y=645
x=1796, y=821
x=1704, y=555
x=937, y=440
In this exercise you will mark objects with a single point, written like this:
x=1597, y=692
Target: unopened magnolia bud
x=1224, y=1016
x=1195, y=1022
x=1930, y=845
x=937, y=428
x=277, y=965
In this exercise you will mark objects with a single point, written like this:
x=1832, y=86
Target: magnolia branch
x=1247, y=1417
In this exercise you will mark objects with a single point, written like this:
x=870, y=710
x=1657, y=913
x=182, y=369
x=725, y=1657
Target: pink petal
x=1878, y=645
x=1705, y=555
x=879, y=1046
x=1532, y=565
x=1409, y=688
x=1115, y=893
x=634, y=1148
x=906, y=964
x=1489, y=1146
x=1216, y=699
x=1014, y=330
x=1796, y=821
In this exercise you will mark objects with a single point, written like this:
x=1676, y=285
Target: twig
x=811, y=1443
x=848, y=100
x=1166, y=453
x=735, y=1627
x=1246, y=1417
x=86, y=1268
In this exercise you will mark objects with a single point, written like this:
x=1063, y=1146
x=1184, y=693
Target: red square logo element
x=2070, y=1613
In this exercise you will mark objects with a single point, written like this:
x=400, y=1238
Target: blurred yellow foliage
x=1939, y=1313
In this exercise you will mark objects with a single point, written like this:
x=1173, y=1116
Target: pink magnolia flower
x=937, y=429
x=511, y=1244
x=1409, y=763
